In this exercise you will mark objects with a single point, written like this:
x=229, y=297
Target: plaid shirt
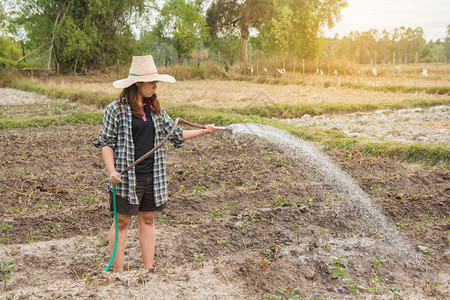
x=117, y=134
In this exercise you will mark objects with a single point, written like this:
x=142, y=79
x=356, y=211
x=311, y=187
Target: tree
x=447, y=44
x=225, y=15
x=78, y=34
x=181, y=25
x=297, y=25
x=228, y=47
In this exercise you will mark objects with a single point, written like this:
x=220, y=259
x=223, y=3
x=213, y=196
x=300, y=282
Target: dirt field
x=247, y=219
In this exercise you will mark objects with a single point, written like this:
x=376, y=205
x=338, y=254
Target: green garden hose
x=116, y=227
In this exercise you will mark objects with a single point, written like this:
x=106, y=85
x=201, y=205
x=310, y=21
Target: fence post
x=415, y=70
x=317, y=65
x=303, y=68
x=437, y=63
x=393, y=63
x=294, y=66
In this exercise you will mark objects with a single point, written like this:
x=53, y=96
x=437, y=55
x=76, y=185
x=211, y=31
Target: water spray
x=177, y=120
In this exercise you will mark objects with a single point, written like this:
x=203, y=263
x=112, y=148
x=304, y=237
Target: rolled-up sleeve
x=108, y=135
x=177, y=137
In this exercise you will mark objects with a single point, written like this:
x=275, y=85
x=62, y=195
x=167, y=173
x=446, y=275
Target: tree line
x=402, y=45
x=81, y=35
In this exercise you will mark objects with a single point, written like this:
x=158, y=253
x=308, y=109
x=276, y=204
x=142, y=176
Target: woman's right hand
x=115, y=178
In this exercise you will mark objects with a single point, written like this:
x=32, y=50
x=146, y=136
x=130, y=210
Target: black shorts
x=144, y=191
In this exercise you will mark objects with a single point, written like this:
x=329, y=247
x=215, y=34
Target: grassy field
x=245, y=100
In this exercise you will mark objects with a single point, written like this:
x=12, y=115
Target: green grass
x=440, y=90
x=89, y=98
x=428, y=154
x=45, y=121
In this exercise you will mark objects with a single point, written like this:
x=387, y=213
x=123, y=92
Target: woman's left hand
x=210, y=128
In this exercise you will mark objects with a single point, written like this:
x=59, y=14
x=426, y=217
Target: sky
x=362, y=15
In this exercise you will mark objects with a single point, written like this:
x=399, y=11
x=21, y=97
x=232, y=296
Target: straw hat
x=143, y=69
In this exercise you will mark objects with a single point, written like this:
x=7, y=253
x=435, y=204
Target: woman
x=132, y=125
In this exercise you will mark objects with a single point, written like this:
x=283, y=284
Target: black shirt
x=144, y=141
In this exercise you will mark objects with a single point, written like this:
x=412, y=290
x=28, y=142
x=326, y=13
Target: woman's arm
x=108, y=157
x=189, y=134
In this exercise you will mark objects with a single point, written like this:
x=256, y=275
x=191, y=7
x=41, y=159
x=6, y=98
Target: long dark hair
x=131, y=94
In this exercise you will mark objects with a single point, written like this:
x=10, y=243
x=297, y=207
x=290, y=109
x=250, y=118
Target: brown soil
x=55, y=221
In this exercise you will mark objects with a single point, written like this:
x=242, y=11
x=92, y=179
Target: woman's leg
x=147, y=236
x=122, y=222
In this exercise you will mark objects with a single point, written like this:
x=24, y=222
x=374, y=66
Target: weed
x=198, y=259
x=423, y=226
x=297, y=231
x=217, y=213
x=376, y=189
x=267, y=253
x=339, y=266
x=5, y=227
x=378, y=277
x=234, y=206
x=272, y=297
x=288, y=180
x=348, y=235
x=325, y=242
x=430, y=284
x=221, y=243
x=282, y=201
x=186, y=221
x=88, y=279
x=308, y=200
x=241, y=228
x=400, y=222
x=199, y=190
x=447, y=236
x=100, y=241
x=95, y=259
x=446, y=218
x=5, y=273
x=288, y=291
x=86, y=200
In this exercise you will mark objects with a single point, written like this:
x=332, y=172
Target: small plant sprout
x=198, y=258
x=5, y=228
x=377, y=261
x=221, y=243
x=282, y=201
x=432, y=285
x=241, y=227
x=290, y=293
x=339, y=266
x=234, y=206
x=376, y=189
x=255, y=217
x=5, y=273
x=88, y=279
x=217, y=213
x=267, y=253
x=297, y=231
x=325, y=242
x=199, y=190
